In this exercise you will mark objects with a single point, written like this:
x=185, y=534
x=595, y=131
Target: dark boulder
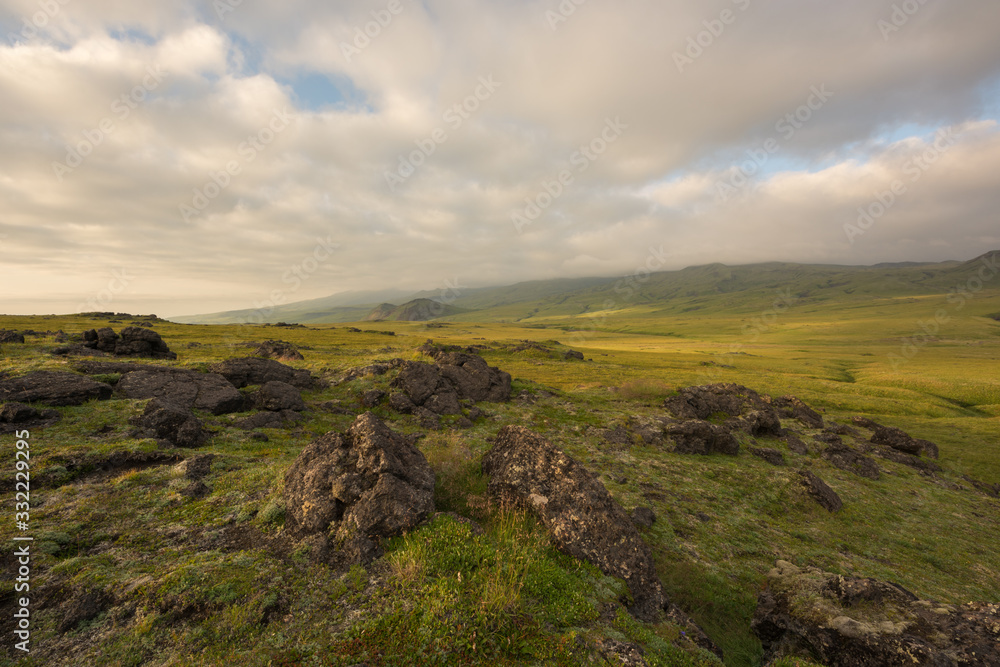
x=847, y=458
x=922, y=465
x=772, y=456
x=18, y=416
x=454, y=376
x=400, y=402
x=104, y=339
x=376, y=369
x=791, y=407
x=277, y=349
x=757, y=423
x=55, y=388
x=8, y=336
x=581, y=517
x=186, y=389
x=164, y=420
x=276, y=396
x=363, y=485
x=709, y=400
x=796, y=444
x=372, y=397
x=91, y=367
x=420, y=381
x=902, y=442
x=701, y=437
x=141, y=342
x=253, y=370
x=821, y=491
x=744, y=409
x=858, y=622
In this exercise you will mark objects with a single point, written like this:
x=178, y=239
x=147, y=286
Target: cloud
x=275, y=180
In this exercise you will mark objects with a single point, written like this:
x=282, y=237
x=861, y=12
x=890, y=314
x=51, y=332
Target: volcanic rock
x=253, y=370
x=164, y=420
x=580, y=515
x=859, y=622
x=821, y=491
x=849, y=459
x=903, y=442
x=276, y=396
x=141, y=342
x=772, y=456
x=366, y=484
x=793, y=408
x=185, y=389
x=700, y=437
x=277, y=349
x=56, y=388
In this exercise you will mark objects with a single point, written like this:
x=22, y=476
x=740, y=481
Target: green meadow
x=212, y=581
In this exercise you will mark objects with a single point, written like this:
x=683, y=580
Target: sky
x=189, y=157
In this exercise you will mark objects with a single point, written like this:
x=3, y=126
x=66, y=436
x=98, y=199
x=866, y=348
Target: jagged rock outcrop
x=363, y=485
x=254, y=370
x=772, y=456
x=277, y=349
x=18, y=416
x=858, y=622
x=745, y=409
x=700, y=437
x=581, y=517
x=439, y=387
x=902, y=442
x=847, y=458
x=164, y=420
x=821, y=491
x=897, y=439
x=185, y=389
x=791, y=407
x=275, y=396
x=55, y=388
x=9, y=336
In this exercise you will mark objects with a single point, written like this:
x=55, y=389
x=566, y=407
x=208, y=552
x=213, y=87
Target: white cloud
x=324, y=174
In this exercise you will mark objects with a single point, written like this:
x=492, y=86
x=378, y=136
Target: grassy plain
x=212, y=581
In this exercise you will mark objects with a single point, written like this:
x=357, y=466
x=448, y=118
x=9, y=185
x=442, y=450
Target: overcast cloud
x=201, y=156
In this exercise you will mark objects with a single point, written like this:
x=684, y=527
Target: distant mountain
x=340, y=307
x=684, y=293
x=418, y=310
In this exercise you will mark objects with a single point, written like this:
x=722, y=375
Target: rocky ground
x=428, y=508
